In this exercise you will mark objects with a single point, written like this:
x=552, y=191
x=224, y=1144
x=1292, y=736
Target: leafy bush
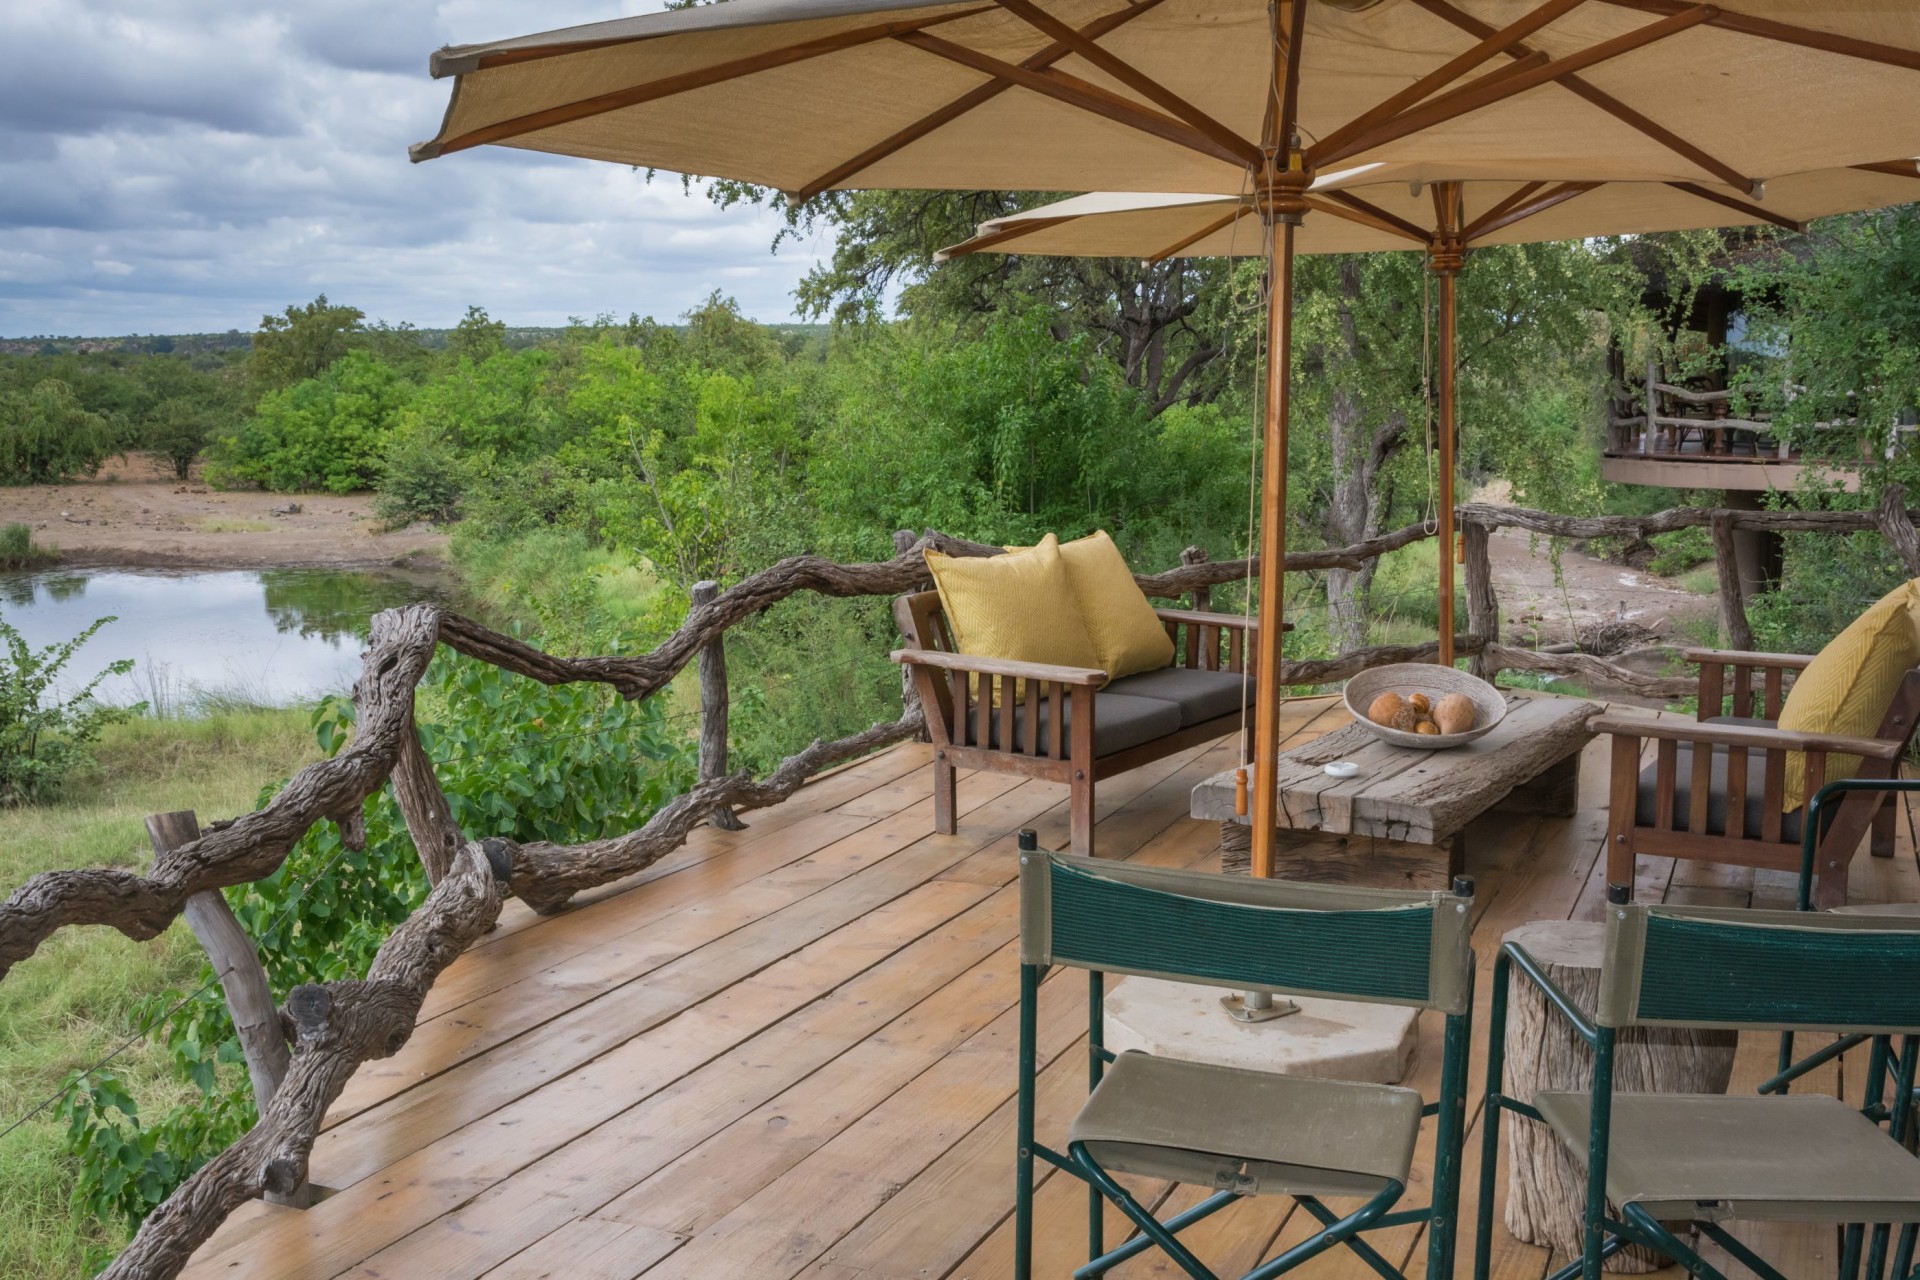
x=44, y=736
x=516, y=759
x=326, y=432
x=47, y=436
x=1676, y=552
x=422, y=479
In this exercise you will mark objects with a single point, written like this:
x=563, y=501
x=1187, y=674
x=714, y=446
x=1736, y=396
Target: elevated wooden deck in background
x=789, y=1052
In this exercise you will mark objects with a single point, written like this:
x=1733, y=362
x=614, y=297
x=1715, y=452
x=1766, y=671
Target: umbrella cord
x=1236, y=313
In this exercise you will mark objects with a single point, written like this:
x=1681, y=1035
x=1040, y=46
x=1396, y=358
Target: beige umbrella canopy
x=1364, y=213
x=1386, y=207
x=1174, y=95
x=1211, y=96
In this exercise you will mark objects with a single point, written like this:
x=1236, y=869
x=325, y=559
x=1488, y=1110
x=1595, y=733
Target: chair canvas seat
x=1119, y=722
x=1792, y=1158
x=1254, y=1132
x=1201, y=695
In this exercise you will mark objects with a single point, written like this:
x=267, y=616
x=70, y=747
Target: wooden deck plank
x=787, y=1052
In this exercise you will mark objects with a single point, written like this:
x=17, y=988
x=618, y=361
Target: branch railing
x=334, y=1027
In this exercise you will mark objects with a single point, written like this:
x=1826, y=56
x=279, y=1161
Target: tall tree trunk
x=1360, y=453
x=1351, y=518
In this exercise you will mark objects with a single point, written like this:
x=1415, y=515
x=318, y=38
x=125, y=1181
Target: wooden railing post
x=713, y=709
x=242, y=978
x=1733, y=593
x=1483, y=606
x=1203, y=594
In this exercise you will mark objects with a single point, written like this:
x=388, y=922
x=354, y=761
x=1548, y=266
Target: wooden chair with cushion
x=1734, y=788
x=1052, y=711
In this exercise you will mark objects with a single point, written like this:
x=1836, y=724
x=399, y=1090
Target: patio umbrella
x=1205, y=95
x=1444, y=218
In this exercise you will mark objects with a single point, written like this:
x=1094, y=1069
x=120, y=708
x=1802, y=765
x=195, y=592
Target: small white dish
x=1341, y=769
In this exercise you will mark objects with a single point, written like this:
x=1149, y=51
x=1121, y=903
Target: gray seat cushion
x=1248, y=1131
x=1793, y=1158
x=1756, y=806
x=1119, y=722
x=1200, y=695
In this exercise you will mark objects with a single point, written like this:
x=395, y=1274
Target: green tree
x=47, y=436
x=302, y=343
x=477, y=336
x=326, y=432
x=1832, y=342
x=1164, y=324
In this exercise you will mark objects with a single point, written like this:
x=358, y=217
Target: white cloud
x=176, y=165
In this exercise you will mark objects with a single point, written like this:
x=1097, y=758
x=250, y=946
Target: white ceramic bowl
x=1489, y=705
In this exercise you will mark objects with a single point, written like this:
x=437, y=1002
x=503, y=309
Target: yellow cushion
x=1849, y=685
x=1018, y=606
x=1127, y=635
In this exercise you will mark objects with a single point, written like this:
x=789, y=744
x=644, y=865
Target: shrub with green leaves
x=516, y=759
x=325, y=432
x=1680, y=550
x=47, y=436
x=44, y=734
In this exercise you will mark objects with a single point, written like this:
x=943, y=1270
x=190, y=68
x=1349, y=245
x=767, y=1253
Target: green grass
x=71, y=1001
x=1703, y=581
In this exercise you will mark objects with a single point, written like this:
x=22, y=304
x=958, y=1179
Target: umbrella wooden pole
x=1446, y=265
x=1268, y=683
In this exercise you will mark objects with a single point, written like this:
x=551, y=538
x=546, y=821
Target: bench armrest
x=1201, y=618
x=1091, y=677
x=1752, y=738
x=1741, y=658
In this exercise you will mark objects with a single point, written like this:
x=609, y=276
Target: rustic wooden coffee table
x=1401, y=820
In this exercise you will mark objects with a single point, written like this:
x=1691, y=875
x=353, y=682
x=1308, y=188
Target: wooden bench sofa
x=1069, y=724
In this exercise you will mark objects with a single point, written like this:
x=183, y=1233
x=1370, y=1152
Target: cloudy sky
x=186, y=165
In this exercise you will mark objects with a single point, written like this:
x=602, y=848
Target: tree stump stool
x=1546, y=1186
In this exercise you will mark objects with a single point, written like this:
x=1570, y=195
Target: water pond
x=268, y=636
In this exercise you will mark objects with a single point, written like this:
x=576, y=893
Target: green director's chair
x=1712, y=1158
x=1241, y=1132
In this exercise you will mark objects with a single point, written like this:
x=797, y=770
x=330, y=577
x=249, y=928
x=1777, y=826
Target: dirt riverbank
x=132, y=515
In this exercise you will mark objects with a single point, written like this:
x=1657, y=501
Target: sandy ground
x=131, y=515
x=1537, y=608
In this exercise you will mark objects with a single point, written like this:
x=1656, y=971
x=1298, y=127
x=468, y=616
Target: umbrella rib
x=1606, y=102
x=1343, y=204
x=1785, y=33
x=634, y=95
x=992, y=239
x=1734, y=202
x=1218, y=224
x=1075, y=92
x=1491, y=44
x=1511, y=210
x=1893, y=168
x=960, y=106
x=1126, y=73
x=1500, y=209
x=1527, y=74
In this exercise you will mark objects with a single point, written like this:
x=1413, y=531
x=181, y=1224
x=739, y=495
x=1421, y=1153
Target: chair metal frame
x=1447, y=986
x=1902, y=1114
x=1619, y=1000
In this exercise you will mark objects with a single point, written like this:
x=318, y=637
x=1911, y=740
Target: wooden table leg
x=1554, y=793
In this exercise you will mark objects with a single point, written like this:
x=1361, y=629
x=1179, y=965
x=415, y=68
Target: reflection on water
x=275, y=635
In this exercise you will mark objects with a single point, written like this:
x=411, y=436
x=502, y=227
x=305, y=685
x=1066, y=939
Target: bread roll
x=1455, y=714
x=1386, y=708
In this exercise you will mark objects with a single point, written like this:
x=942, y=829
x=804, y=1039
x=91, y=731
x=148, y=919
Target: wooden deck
x=789, y=1052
